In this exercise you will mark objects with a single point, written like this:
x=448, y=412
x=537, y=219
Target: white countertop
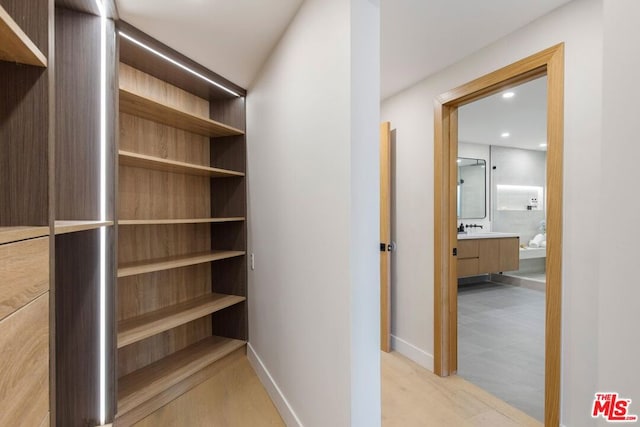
x=485, y=235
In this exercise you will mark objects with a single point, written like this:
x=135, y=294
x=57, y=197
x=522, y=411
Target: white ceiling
x=419, y=37
x=231, y=37
x=524, y=117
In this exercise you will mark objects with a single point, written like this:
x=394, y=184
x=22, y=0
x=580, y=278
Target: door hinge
x=455, y=251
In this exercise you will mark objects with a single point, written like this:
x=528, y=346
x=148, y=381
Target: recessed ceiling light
x=459, y=160
x=544, y=144
x=505, y=134
x=508, y=95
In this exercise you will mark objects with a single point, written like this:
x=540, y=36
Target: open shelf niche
x=181, y=223
x=26, y=289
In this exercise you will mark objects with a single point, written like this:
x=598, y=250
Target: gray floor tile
x=501, y=343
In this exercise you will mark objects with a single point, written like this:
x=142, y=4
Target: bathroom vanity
x=484, y=253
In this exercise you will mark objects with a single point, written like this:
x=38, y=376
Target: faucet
x=474, y=226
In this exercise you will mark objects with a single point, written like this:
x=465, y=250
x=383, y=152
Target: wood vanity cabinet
x=484, y=256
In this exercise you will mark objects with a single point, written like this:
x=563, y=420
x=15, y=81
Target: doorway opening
x=448, y=263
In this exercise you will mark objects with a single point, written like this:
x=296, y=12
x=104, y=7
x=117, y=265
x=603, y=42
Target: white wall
x=312, y=135
x=618, y=338
x=579, y=25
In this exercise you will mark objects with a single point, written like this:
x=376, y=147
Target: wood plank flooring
x=411, y=397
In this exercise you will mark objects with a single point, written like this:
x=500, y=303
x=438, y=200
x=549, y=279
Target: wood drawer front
x=468, y=267
x=510, y=254
x=24, y=365
x=24, y=273
x=467, y=249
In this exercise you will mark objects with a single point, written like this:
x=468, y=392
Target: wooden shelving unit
x=166, y=263
x=14, y=234
x=181, y=236
x=26, y=335
x=150, y=109
x=63, y=227
x=15, y=45
x=149, y=162
x=179, y=221
x=141, y=327
x=140, y=386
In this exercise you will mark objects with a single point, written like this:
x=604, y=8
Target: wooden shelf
x=142, y=385
x=141, y=327
x=15, y=45
x=128, y=158
x=63, y=227
x=155, y=111
x=14, y=234
x=179, y=221
x=167, y=263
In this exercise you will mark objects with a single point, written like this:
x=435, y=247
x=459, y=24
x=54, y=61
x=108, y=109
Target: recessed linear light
x=544, y=144
x=508, y=95
x=505, y=134
x=174, y=62
x=102, y=338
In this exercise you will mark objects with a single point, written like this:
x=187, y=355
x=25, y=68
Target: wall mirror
x=472, y=175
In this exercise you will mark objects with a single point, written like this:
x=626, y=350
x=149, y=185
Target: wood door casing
x=385, y=236
x=549, y=62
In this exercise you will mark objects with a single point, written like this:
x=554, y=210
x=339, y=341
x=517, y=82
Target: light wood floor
x=411, y=397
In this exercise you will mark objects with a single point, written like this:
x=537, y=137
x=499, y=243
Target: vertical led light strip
x=103, y=215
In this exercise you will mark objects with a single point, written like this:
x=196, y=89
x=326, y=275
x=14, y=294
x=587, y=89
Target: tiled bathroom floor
x=501, y=343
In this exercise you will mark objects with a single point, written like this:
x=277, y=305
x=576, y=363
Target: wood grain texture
x=144, y=84
x=150, y=109
x=550, y=62
x=155, y=348
x=468, y=267
x=63, y=227
x=15, y=45
x=24, y=144
x=148, y=162
x=77, y=317
x=211, y=372
x=32, y=16
x=231, y=396
x=17, y=233
x=24, y=365
x=467, y=249
x=142, y=385
x=145, y=137
x=385, y=236
x=489, y=259
x=158, y=264
x=553, y=316
x=149, y=324
x=24, y=273
x=509, y=254
x=453, y=401
x=152, y=64
x=145, y=193
x=178, y=221
x=77, y=152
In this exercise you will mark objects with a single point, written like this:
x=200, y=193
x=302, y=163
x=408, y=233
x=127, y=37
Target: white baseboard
x=282, y=404
x=412, y=352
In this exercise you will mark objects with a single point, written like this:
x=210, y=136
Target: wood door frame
x=549, y=62
x=385, y=237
